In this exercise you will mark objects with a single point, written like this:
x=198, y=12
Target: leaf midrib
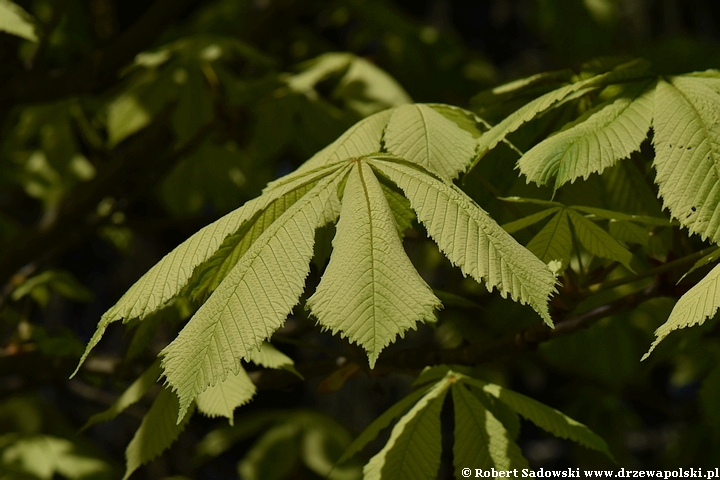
x=372, y=249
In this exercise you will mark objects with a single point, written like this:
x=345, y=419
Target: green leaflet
x=595, y=141
x=532, y=109
x=464, y=119
x=16, y=21
x=156, y=433
x=171, y=275
x=413, y=450
x=132, y=395
x=387, y=296
x=269, y=357
x=421, y=135
x=597, y=241
x=221, y=399
x=253, y=300
x=381, y=422
x=698, y=304
x=543, y=416
x=709, y=258
x=470, y=238
x=687, y=147
x=525, y=222
x=554, y=241
x=481, y=439
x=207, y=277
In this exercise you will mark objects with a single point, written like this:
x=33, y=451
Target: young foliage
x=596, y=140
x=16, y=21
x=554, y=98
x=250, y=266
x=481, y=437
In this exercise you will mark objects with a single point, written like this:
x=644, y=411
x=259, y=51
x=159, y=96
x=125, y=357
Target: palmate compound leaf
x=597, y=140
x=481, y=439
x=370, y=291
x=253, y=300
x=698, y=304
x=470, y=238
x=687, y=151
x=413, y=450
x=554, y=240
x=257, y=282
x=172, y=274
x=541, y=415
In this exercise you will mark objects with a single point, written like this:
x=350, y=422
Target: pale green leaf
x=549, y=419
x=709, y=258
x=132, y=395
x=47, y=457
x=554, y=241
x=464, y=119
x=421, y=135
x=15, y=20
x=269, y=357
x=171, y=275
x=525, y=222
x=207, y=277
x=367, y=89
x=413, y=450
x=361, y=139
x=532, y=109
x=481, y=440
x=157, y=431
x=381, y=422
x=687, y=152
x=595, y=141
x=370, y=292
x=597, y=241
x=225, y=396
x=253, y=300
x=698, y=304
x=470, y=238
x=126, y=115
